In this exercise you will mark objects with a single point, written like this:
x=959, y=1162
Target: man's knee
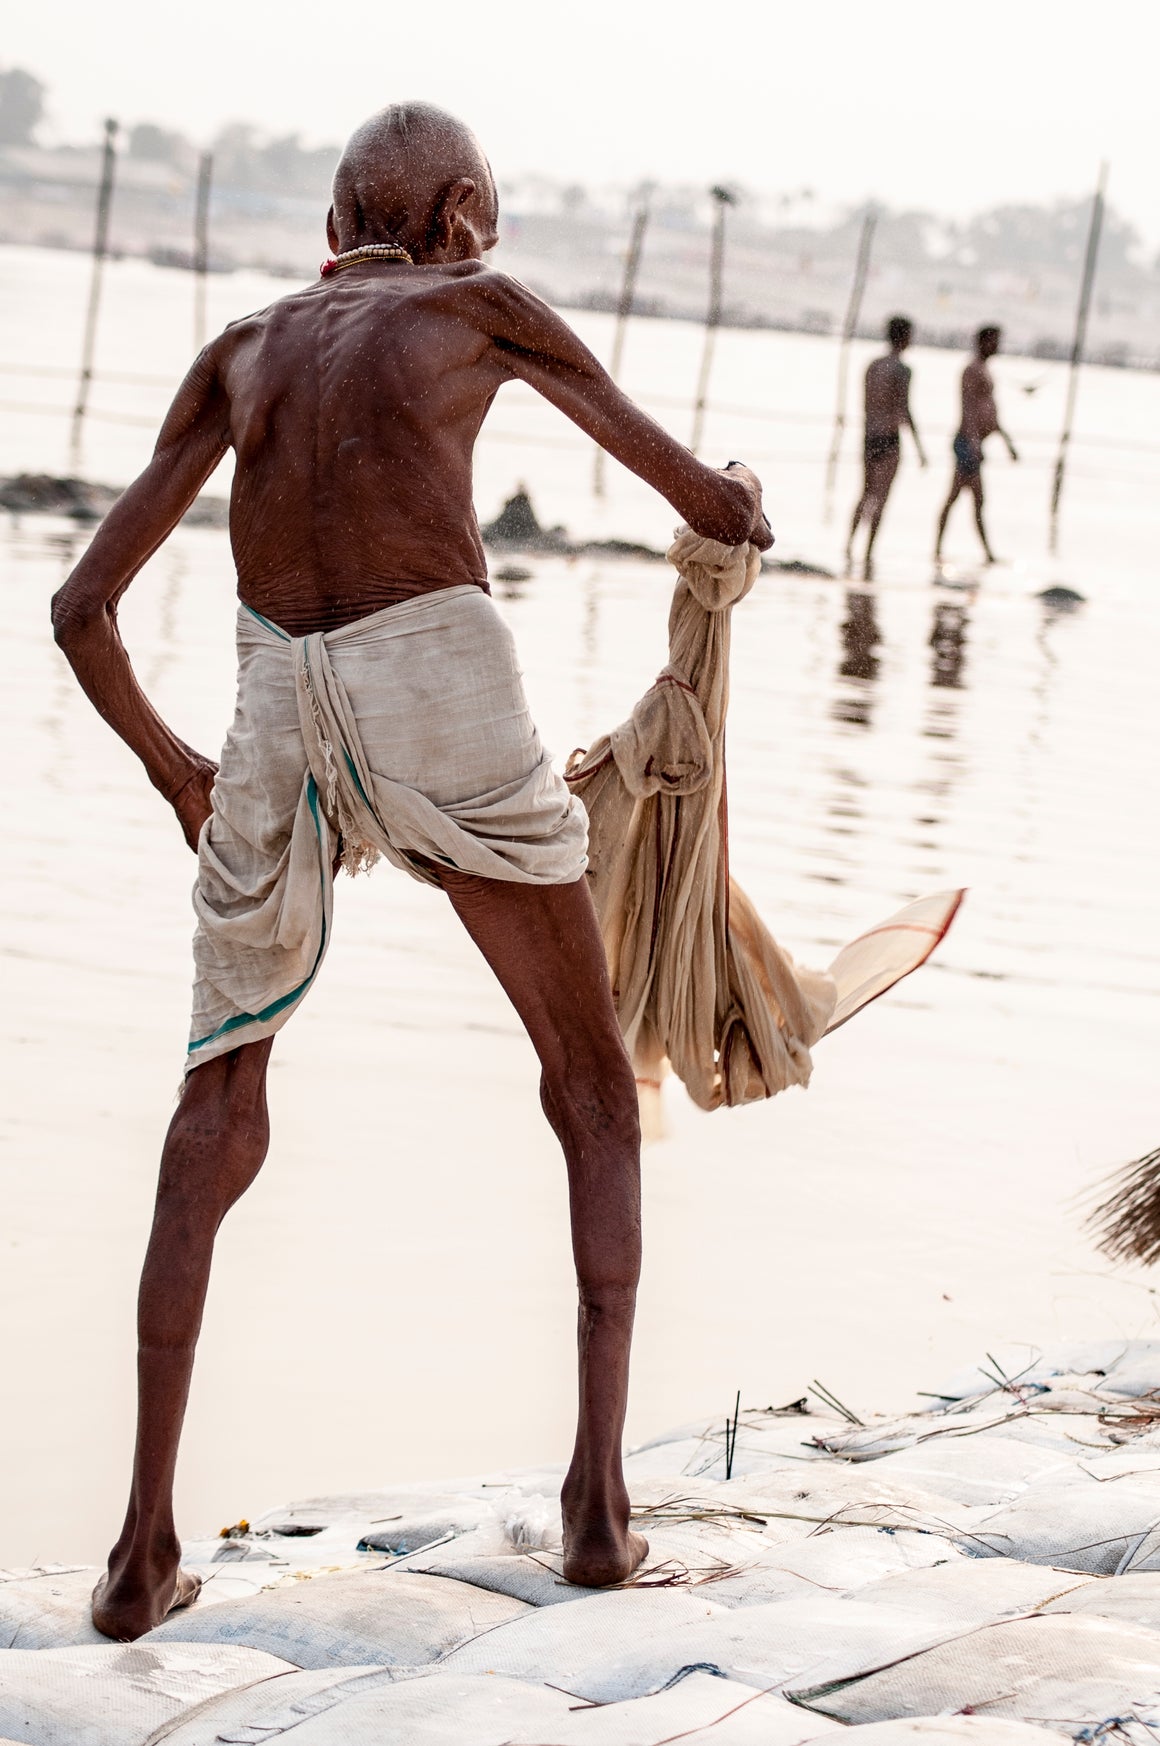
x=219, y=1136
x=591, y=1091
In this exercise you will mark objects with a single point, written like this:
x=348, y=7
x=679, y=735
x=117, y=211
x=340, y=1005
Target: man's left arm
x=192, y=441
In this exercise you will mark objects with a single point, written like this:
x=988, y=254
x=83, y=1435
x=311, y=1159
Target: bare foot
x=126, y=1609
x=599, y=1551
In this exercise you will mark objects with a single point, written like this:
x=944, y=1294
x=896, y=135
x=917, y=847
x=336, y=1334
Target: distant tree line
x=1014, y=237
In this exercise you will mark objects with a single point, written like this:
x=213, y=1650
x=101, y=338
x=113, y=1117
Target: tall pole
x=849, y=326
x=1091, y=255
x=100, y=250
x=201, y=246
x=623, y=311
x=713, y=318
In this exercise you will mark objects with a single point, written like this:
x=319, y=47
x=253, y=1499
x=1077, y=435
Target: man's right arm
x=193, y=440
x=908, y=416
x=537, y=347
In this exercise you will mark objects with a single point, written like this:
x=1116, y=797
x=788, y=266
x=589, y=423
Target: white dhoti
x=405, y=734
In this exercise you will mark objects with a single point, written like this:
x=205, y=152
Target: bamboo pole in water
x=713, y=318
x=100, y=250
x=1091, y=256
x=623, y=311
x=201, y=247
x=853, y=308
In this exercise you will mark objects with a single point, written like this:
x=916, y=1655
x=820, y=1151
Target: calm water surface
x=394, y=1298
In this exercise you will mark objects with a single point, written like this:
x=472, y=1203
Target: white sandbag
x=1138, y=1371
x=1034, y=1366
x=975, y=1591
x=1144, y=1555
x=796, y=1435
x=839, y=1559
x=1133, y=1599
x=726, y=1560
x=352, y=1619
x=430, y=1710
x=977, y=1469
x=808, y=1638
x=1070, y=1434
x=884, y=1436
x=699, y=1710
x=446, y=1709
x=764, y=1443
x=610, y=1650
x=1063, y=1670
x=53, y=1609
x=567, y=1645
x=315, y=1532
x=951, y=1731
x=534, y=1578
x=264, y=1712
x=854, y=1495
x=1123, y=1463
x=1075, y=1524
x=48, y=1609
x=118, y=1695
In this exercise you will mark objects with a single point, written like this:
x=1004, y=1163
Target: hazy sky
x=951, y=107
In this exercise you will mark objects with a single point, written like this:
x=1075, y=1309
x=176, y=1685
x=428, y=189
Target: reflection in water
x=860, y=639
x=948, y=639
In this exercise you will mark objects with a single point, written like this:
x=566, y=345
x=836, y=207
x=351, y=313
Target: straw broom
x=1128, y=1221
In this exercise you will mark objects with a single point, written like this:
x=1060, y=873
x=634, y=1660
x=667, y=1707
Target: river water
x=394, y=1298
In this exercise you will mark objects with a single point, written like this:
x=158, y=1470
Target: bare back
x=887, y=395
x=353, y=411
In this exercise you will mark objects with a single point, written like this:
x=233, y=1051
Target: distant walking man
x=979, y=420
x=887, y=410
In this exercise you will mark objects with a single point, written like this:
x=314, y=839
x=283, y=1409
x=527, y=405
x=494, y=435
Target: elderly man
x=380, y=711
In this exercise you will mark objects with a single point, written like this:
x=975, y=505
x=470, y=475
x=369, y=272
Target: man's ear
x=442, y=227
x=331, y=232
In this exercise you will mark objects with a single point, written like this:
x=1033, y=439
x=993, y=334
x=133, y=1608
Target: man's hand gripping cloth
x=405, y=734
x=700, y=984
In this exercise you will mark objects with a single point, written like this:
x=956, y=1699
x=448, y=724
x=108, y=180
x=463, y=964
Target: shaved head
x=409, y=173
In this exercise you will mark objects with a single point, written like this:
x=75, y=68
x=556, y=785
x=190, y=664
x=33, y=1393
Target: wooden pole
x=201, y=247
x=1091, y=255
x=861, y=270
x=623, y=311
x=100, y=250
x=713, y=318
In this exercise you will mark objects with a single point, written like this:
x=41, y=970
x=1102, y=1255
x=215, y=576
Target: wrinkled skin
x=352, y=408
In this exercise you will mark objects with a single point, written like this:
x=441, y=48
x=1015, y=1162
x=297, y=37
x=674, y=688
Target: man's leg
x=880, y=474
x=975, y=485
x=957, y=484
x=543, y=943
x=215, y=1147
x=858, y=514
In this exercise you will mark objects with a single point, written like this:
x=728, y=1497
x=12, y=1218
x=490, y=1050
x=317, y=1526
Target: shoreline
x=985, y=1567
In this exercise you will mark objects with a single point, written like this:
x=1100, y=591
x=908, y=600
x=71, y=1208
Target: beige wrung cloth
x=700, y=984
x=407, y=734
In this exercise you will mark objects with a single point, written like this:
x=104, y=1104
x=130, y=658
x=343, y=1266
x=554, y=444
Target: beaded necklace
x=368, y=252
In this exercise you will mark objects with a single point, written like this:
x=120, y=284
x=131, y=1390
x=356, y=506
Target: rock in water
x=518, y=525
